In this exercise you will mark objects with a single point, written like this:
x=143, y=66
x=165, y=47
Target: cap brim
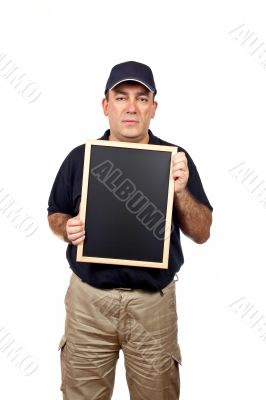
x=132, y=79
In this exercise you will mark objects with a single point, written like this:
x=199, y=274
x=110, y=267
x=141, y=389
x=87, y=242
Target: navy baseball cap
x=131, y=71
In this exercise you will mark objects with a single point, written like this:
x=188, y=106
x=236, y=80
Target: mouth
x=129, y=121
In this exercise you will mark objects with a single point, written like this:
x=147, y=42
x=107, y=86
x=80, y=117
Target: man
x=111, y=307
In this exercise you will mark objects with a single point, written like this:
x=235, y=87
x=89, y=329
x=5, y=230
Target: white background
x=211, y=94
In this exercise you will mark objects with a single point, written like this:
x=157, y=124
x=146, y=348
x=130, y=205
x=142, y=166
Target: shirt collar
x=152, y=139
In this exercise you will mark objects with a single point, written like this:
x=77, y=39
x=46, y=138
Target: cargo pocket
x=62, y=348
x=176, y=356
x=173, y=301
x=174, y=377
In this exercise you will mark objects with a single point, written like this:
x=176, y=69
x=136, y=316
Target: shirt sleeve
x=60, y=200
x=194, y=183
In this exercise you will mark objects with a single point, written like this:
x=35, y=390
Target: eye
x=143, y=99
x=120, y=98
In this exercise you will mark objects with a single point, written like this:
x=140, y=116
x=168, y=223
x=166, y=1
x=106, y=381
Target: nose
x=131, y=109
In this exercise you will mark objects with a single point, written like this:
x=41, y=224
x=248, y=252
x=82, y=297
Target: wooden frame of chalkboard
x=127, y=203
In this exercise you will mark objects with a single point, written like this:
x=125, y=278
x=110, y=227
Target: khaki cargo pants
x=100, y=322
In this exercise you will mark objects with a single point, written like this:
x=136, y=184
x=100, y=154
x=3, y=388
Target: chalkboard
x=127, y=203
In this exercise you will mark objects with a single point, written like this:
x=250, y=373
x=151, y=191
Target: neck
x=144, y=140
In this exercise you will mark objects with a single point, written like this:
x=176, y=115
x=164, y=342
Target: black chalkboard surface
x=126, y=203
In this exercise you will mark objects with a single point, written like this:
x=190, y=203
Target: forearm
x=57, y=223
x=194, y=218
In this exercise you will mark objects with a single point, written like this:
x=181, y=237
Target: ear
x=155, y=105
x=105, y=106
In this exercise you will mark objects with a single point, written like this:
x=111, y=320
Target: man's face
x=129, y=109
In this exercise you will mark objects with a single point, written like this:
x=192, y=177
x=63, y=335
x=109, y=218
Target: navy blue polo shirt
x=65, y=198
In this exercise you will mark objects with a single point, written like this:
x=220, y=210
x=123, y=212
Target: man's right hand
x=75, y=230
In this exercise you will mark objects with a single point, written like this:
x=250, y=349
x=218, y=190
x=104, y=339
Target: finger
x=179, y=155
x=75, y=229
x=78, y=241
x=180, y=161
x=74, y=222
x=75, y=236
x=180, y=165
x=181, y=177
x=179, y=173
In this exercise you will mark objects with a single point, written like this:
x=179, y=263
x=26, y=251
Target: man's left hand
x=180, y=172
